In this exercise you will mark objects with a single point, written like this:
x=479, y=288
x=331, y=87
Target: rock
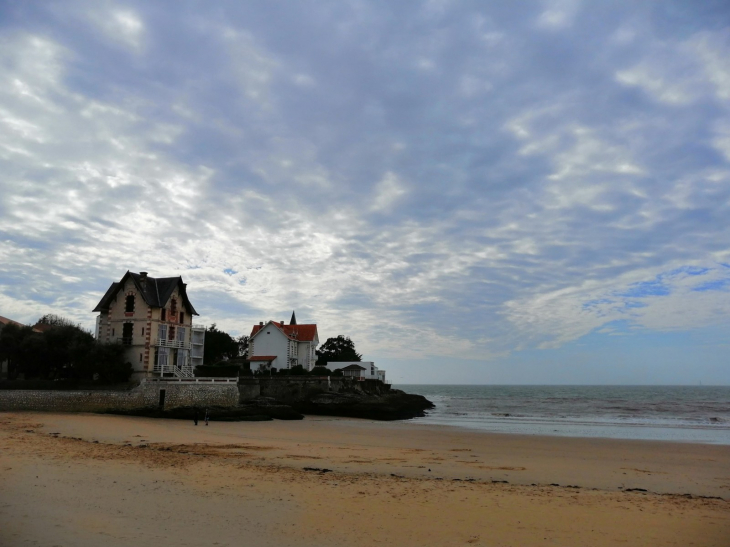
x=393, y=405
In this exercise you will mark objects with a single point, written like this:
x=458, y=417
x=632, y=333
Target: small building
x=276, y=344
x=153, y=318
x=358, y=369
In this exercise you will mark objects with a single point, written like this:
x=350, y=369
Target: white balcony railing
x=184, y=371
x=163, y=342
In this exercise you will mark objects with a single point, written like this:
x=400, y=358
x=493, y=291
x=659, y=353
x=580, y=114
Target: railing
x=172, y=343
x=179, y=372
x=196, y=327
x=193, y=380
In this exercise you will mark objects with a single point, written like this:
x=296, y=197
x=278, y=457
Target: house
x=365, y=370
x=153, y=318
x=282, y=346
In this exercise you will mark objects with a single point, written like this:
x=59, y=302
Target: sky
x=523, y=192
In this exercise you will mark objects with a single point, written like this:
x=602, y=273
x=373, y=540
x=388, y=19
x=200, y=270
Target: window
x=181, y=334
x=182, y=317
x=162, y=358
x=140, y=357
x=129, y=304
x=127, y=333
x=161, y=332
x=142, y=331
x=163, y=314
x=173, y=307
x=172, y=333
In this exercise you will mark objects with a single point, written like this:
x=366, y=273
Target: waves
x=676, y=413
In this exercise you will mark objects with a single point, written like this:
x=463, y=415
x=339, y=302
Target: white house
x=359, y=369
x=282, y=346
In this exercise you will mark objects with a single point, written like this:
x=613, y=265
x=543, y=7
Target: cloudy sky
x=488, y=192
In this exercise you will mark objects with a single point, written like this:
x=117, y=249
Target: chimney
x=143, y=279
x=261, y=323
x=282, y=323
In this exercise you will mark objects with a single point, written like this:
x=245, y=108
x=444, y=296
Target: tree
x=55, y=321
x=12, y=337
x=219, y=346
x=336, y=349
x=242, y=346
x=62, y=351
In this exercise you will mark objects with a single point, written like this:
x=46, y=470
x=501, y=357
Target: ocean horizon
x=699, y=414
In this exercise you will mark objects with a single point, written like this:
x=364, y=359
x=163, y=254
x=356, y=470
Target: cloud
x=387, y=192
x=558, y=14
x=462, y=180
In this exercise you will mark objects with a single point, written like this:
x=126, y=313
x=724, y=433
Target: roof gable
x=300, y=333
x=155, y=291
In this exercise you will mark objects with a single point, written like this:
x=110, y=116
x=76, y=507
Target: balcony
x=125, y=341
x=164, y=343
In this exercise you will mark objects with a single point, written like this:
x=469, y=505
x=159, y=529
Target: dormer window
x=129, y=304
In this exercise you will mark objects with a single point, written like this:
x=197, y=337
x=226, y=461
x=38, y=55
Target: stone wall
x=147, y=394
x=292, y=389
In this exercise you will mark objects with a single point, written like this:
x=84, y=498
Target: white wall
x=273, y=343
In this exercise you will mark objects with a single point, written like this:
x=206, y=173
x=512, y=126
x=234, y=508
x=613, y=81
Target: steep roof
x=155, y=291
x=301, y=333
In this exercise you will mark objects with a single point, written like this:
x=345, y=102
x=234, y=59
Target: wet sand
x=88, y=480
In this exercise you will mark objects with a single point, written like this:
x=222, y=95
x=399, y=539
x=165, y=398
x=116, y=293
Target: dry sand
x=77, y=480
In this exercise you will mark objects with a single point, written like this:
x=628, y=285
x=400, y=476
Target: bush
x=321, y=371
x=219, y=370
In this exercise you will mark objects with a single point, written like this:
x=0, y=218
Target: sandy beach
x=89, y=480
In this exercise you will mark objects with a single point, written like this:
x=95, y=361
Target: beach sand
x=81, y=480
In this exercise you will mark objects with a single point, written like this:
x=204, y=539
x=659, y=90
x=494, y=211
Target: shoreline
x=345, y=481
x=684, y=433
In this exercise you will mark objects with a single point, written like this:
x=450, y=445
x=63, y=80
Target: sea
x=698, y=414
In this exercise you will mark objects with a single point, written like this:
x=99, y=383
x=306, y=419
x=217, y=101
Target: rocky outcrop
x=335, y=396
x=392, y=405
x=289, y=398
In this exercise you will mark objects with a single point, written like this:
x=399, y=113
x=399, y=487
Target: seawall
x=158, y=394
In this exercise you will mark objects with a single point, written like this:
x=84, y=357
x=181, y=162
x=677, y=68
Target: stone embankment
x=244, y=398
